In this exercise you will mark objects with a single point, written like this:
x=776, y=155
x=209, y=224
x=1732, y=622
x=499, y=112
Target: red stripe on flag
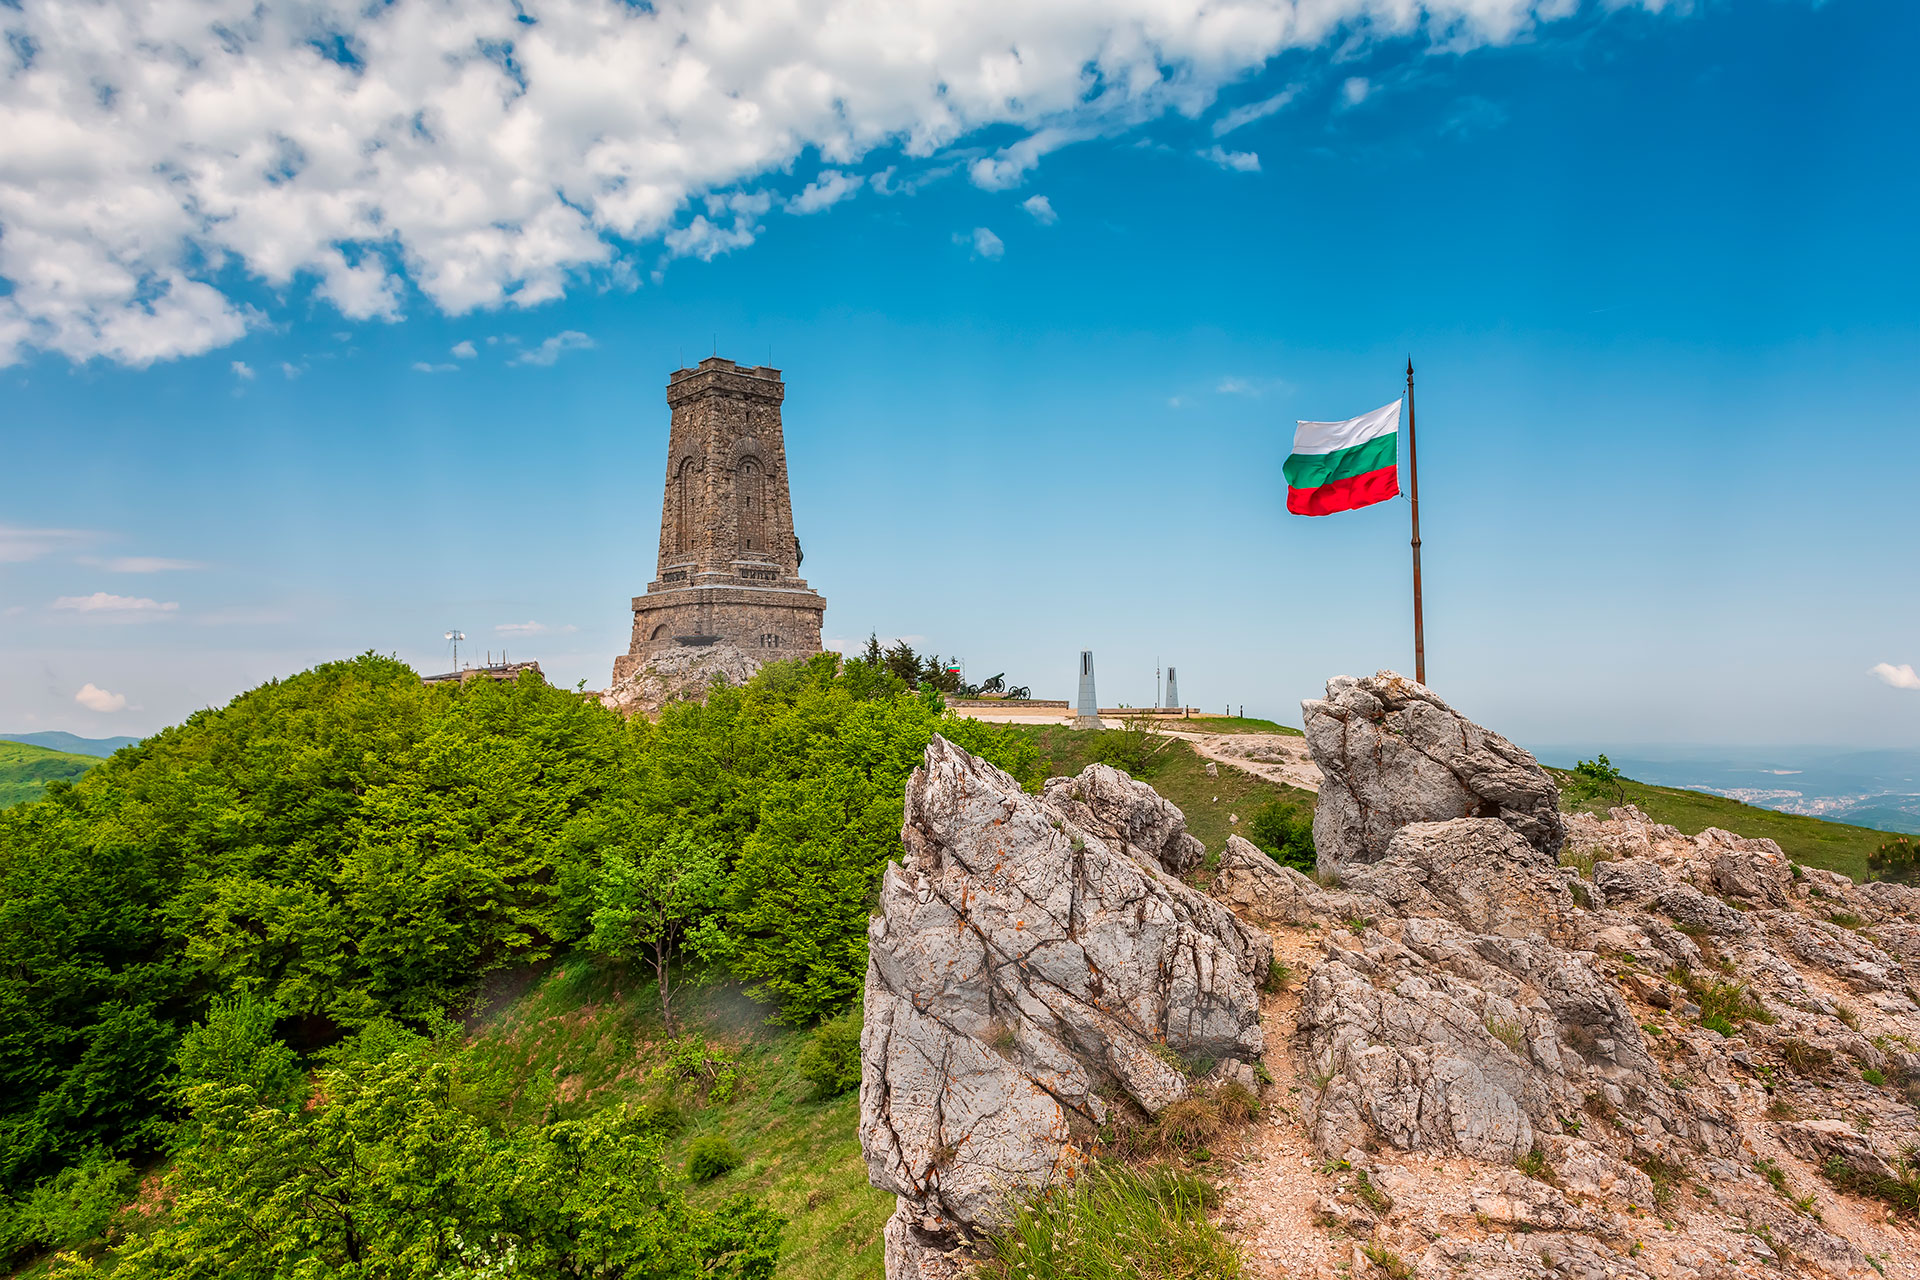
x=1362, y=490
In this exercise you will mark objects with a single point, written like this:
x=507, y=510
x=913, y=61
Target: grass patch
x=1116, y=1222
x=1815, y=842
x=1179, y=774
x=1901, y=1191
x=1508, y=1032
x=1390, y=1263
x=1805, y=1059
x=1723, y=1005
x=1233, y=724
x=584, y=1036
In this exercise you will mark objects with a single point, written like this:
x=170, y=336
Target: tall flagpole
x=1413, y=485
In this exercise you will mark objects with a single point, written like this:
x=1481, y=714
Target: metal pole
x=1413, y=486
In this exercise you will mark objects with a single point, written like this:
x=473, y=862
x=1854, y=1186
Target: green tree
x=236, y=1046
x=1598, y=777
x=388, y=1177
x=658, y=897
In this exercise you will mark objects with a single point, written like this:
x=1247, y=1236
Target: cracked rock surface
x=1026, y=977
x=680, y=673
x=1392, y=753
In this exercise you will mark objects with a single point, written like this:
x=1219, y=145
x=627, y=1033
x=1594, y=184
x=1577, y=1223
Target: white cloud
x=1355, y=90
x=464, y=351
x=984, y=243
x=94, y=698
x=103, y=607
x=1235, y=386
x=1240, y=161
x=549, y=351
x=1900, y=677
x=292, y=370
x=533, y=629
x=1240, y=117
x=148, y=564
x=243, y=371
x=501, y=152
x=423, y=366
x=825, y=191
x=18, y=545
x=1042, y=210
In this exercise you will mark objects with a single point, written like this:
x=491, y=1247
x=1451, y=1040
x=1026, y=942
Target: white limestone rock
x=1129, y=815
x=1023, y=975
x=1392, y=753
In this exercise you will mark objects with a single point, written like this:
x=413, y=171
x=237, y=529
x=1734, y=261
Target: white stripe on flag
x=1330, y=437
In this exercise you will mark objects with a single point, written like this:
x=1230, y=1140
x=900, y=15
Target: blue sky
x=1656, y=269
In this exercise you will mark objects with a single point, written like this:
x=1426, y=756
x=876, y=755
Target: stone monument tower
x=729, y=568
x=1086, y=714
x=1173, y=691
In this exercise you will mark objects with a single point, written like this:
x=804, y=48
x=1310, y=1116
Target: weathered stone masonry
x=729, y=562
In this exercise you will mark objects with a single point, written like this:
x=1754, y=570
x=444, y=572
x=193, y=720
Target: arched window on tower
x=683, y=505
x=750, y=493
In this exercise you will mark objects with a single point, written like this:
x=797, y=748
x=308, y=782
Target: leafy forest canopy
x=333, y=862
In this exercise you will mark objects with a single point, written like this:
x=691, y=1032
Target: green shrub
x=709, y=1156
x=65, y=1211
x=830, y=1060
x=1896, y=861
x=1116, y=1223
x=1285, y=834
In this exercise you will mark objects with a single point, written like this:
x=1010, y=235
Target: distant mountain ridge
x=72, y=744
x=26, y=768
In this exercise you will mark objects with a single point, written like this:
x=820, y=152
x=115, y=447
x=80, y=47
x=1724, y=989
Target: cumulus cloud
x=531, y=628
x=984, y=243
x=549, y=351
x=105, y=607
x=1355, y=89
x=829, y=189
x=463, y=351
x=1042, y=210
x=243, y=371
x=1900, y=677
x=165, y=158
x=94, y=698
x=1239, y=161
x=427, y=366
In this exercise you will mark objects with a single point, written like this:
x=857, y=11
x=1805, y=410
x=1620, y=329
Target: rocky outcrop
x=686, y=672
x=1130, y=816
x=1028, y=982
x=1392, y=753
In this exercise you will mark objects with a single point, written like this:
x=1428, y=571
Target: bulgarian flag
x=1338, y=466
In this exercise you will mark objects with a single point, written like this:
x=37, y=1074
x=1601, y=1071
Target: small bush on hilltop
x=1285, y=834
x=1117, y=1223
x=830, y=1061
x=1894, y=861
x=710, y=1156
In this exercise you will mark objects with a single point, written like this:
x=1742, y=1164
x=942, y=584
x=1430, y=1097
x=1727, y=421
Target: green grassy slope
x=582, y=1037
x=26, y=770
x=1813, y=841
x=1180, y=776
x=1232, y=724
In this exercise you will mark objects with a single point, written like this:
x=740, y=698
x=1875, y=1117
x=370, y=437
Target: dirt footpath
x=1277, y=757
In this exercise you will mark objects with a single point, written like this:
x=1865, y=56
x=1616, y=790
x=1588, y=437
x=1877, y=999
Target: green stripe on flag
x=1311, y=470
